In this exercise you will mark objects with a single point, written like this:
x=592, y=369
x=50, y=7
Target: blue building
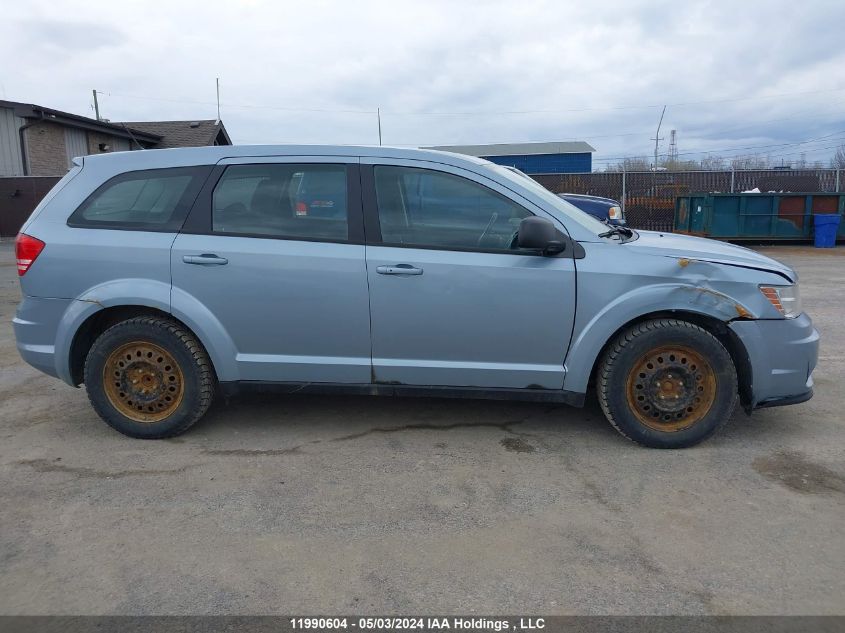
x=533, y=158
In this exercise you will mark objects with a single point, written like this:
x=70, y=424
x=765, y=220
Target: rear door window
x=154, y=199
x=282, y=200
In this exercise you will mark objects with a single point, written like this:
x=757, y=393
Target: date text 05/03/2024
x=418, y=623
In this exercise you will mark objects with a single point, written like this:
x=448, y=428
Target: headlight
x=614, y=213
x=785, y=299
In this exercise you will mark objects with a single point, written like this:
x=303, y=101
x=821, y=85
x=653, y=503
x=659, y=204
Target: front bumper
x=782, y=354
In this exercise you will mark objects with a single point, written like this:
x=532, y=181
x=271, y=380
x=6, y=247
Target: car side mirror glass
x=539, y=234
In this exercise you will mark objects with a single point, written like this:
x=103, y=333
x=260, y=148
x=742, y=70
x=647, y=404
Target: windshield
x=568, y=210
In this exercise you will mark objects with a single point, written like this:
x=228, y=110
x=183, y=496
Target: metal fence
x=18, y=197
x=648, y=198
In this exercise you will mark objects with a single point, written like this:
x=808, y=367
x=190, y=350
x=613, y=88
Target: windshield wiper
x=618, y=230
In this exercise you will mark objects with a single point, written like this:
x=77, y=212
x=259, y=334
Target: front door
x=453, y=301
x=274, y=251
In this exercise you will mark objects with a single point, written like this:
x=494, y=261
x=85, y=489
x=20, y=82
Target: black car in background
x=605, y=209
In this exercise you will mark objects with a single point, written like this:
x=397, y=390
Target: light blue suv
x=158, y=278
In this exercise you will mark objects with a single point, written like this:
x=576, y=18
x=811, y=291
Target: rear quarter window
x=152, y=199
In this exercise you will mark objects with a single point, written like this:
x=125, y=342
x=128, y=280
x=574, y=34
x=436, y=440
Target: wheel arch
x=715, y=326
x=101, y=320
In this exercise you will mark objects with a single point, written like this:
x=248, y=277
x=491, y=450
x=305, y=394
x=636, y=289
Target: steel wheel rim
x=143, y=382
x=671, y=388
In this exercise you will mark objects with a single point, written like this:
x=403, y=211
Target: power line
x=471, y=113
x=619, y=107
x=820, y=139
x=827, y=138
x=235, y=105
x=587, y=137
x=757, y=123
x=692, y=131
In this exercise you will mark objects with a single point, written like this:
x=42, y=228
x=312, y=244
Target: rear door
x=283, y=274
x=453, y=301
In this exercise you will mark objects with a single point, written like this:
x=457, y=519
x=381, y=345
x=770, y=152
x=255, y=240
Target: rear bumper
x=36, y=325
x=782, y=354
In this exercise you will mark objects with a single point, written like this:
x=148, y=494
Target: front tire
x=149, y=378
x=667, y=383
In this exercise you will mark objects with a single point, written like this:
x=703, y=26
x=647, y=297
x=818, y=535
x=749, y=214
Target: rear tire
x=149, y=378
x=667, y=383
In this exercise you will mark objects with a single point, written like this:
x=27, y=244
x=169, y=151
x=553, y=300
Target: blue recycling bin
x=826, y=225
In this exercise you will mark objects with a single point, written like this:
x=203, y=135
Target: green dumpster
x=756, y=216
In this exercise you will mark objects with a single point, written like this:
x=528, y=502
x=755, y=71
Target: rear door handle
x=206, y=259
x=399, y=269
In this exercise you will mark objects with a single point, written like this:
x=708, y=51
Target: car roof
x=186, y=156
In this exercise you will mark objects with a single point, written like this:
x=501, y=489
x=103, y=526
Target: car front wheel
x=667, y=383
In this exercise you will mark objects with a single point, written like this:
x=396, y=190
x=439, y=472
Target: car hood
x=688, y=247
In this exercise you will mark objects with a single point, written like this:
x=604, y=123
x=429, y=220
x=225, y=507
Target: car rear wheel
x=667, y=383
x=148, y=377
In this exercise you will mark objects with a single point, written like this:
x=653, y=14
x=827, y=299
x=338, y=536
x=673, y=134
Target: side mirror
x=539, y=234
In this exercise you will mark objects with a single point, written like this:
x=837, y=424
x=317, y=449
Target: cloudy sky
x=739, y=77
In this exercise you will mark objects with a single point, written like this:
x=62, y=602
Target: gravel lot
x=314, y=504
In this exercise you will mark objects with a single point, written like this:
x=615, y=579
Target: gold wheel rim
x=671, y=388
x=143, y=382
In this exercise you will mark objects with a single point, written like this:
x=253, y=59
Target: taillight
x=301, y=209
x=27, y=249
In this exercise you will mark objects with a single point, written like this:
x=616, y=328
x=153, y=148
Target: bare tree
x=631, y=164
x=750, y=162
x=838, y=160
x=712, y=163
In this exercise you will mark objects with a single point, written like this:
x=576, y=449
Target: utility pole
x=624, y=191
x=96, y=105
x=378, y=114
x=657, y=138
x=673, y=147
x=217, y=80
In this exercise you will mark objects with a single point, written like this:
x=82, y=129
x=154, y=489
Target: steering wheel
x=492, y=221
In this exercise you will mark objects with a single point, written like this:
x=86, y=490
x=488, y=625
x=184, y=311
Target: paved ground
x=350, y=504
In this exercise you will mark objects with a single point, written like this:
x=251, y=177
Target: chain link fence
x=649, y=197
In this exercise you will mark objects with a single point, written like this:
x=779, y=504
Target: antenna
x=378, y=114
x=132, y=136
x=657, y=138
x=217, y=81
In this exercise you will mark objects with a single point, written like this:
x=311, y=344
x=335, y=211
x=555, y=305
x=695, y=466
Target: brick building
x=39, y=141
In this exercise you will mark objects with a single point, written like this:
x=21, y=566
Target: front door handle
x=206, y=259
x=399, y=269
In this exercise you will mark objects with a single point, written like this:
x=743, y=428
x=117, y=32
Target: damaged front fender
x=615, y=291
x=700, y=294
